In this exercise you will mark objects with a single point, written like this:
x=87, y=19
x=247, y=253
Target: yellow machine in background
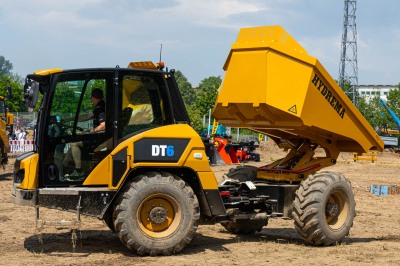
x=6, y=123
x=147, y=175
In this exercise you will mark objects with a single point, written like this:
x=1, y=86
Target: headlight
x=19, y=176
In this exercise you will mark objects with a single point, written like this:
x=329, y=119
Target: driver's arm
x=100, y=127
x=102, y=120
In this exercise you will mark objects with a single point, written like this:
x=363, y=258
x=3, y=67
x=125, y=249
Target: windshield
x=72, y=104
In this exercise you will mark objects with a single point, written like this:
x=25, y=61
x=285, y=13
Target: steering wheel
x=65, y=126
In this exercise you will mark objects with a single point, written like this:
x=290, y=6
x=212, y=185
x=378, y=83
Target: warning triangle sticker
x=293, y=109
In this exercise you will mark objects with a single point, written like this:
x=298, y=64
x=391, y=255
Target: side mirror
x=31, y=93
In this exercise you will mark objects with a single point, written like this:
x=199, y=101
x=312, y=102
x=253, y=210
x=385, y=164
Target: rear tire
x=156, y=214
x=324, y=209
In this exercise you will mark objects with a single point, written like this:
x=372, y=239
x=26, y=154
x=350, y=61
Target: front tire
x=324, y=208
x=156, y=214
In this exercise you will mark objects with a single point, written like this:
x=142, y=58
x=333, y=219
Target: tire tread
x=121, y=212
x=306, y=206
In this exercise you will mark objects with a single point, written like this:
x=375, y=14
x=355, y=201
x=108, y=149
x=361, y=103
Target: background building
x=369, y=91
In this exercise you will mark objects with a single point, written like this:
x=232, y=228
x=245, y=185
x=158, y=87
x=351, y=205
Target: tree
x=14, y=81
x=65, y=99
x=372, y=111
x=393, y=104
x=393, y=100
x=207, y=94
x=195, y=118
x=5, y=66
x=189, y=97
x=186, y=89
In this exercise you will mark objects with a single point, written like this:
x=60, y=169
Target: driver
x=99, y=124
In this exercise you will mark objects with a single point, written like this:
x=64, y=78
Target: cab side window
x=141, y=106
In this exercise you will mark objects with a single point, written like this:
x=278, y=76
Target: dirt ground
x=374, y=238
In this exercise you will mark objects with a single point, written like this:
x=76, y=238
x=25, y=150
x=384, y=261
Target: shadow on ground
x=86, y=243
x=105, y=242
x=5, y=176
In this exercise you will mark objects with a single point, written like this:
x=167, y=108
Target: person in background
x=16, y=134
x=21, y=135
x=24, y=134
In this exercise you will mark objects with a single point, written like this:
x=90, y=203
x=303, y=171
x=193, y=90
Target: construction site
x=374, y=238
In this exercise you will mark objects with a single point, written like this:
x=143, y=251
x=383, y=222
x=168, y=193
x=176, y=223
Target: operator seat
x=124, y=120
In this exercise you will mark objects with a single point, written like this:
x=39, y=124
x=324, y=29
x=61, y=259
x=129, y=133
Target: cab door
x=68, y=104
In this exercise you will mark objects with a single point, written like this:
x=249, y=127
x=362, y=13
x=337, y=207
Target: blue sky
x=196, y=34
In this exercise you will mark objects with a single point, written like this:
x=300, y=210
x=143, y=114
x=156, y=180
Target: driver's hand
x=82, y=131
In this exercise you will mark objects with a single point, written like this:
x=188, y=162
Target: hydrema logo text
x=162, y=150
x=329, y=96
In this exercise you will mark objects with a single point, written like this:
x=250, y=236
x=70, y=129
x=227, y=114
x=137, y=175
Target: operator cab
x=136, y=100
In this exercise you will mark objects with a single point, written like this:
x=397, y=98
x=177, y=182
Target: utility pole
x=348, y=69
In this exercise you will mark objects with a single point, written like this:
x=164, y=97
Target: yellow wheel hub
x=159, y=215
x=336, y=210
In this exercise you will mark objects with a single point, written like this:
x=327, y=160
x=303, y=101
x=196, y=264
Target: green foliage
x=5, y=66
x=189, y=97
x=99, y=84
x=198, y=103
x=347, y=88
x=186, y=89
x=195, y=118
x=8, y=79
x=14, y=103
x=65, y=99
x=376, y=114
x=393, y=102
x=244, y=131
x=207, y=94
x=372, y=111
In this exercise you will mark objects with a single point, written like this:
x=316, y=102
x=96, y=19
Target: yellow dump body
x=273, y=86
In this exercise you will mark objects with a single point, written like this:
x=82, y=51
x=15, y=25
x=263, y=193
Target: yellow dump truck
x=6, y=120
x=147, y=174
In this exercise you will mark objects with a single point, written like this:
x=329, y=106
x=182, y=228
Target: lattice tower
x=348, y=69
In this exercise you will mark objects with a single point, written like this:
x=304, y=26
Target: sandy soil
x=374, y=239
